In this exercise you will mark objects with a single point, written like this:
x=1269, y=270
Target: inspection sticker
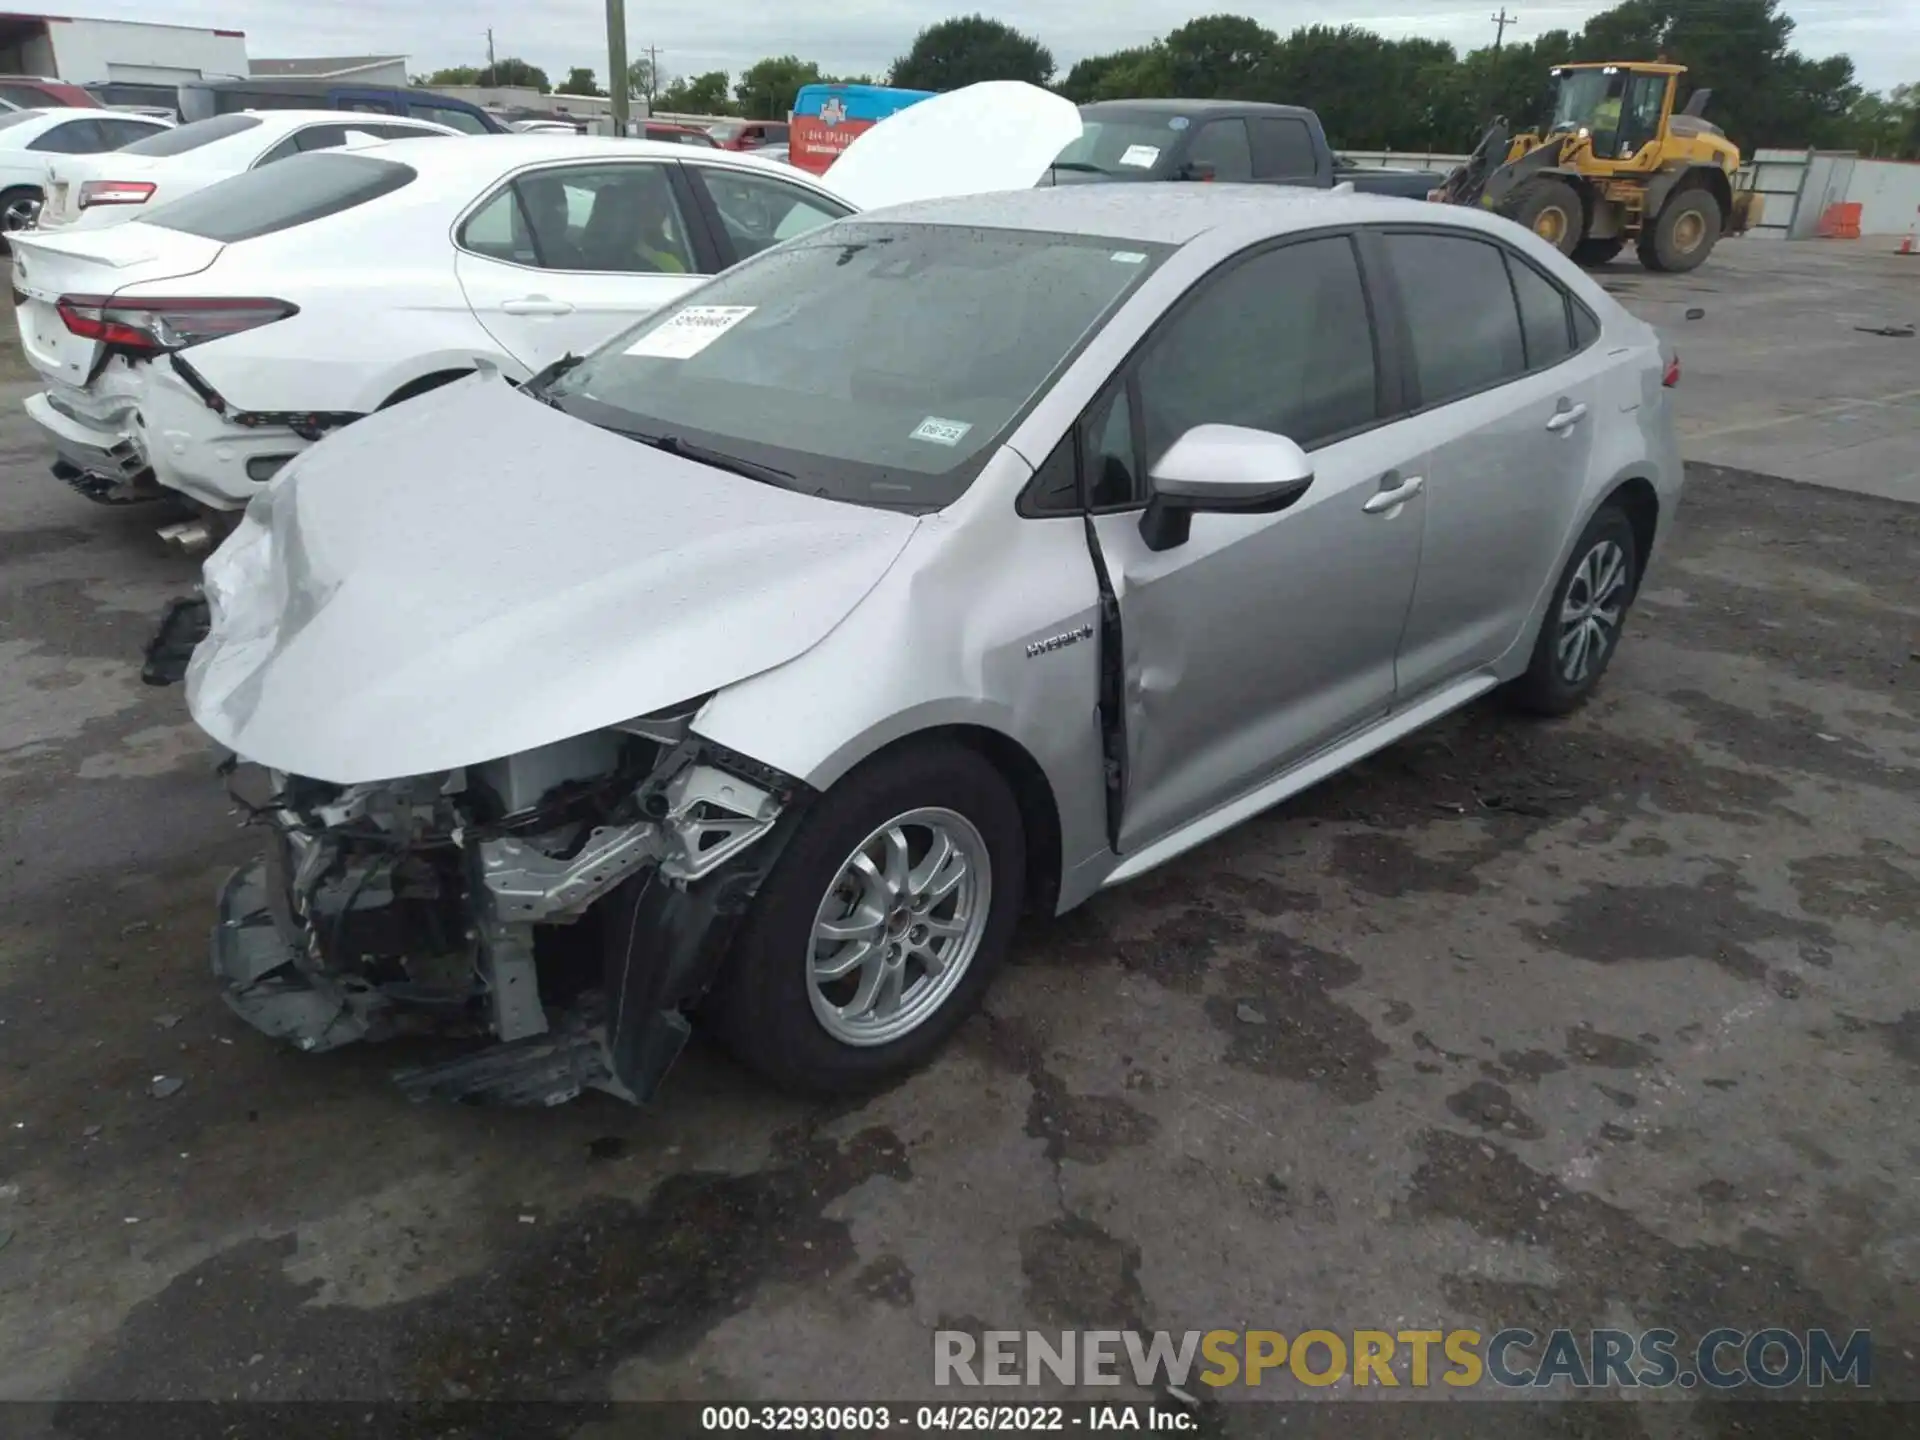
x=689, y=332
x=1141, y=157
x=1128, y=257
x=936, y=431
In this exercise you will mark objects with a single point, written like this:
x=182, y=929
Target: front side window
x=1221, y=146
x=1460, y=309
x=1282, y=342
x=758, y=212
x=874, y=363
x=617, y=219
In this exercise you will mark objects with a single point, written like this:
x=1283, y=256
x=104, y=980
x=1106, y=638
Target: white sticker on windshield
x=936, y=431
x=691, y=331
x=1141, y=157
x=1128, y=257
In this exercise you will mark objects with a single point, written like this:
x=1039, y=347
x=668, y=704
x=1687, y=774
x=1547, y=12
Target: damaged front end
x=573, y=902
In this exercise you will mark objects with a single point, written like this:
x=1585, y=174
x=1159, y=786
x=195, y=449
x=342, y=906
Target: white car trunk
x=67, y=173
x=93, y=262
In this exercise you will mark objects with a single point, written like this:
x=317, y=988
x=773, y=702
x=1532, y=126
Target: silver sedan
x=762, y=667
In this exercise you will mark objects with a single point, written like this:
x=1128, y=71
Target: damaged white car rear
x=760, y=668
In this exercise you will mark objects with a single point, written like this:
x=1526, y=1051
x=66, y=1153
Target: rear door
x=1508, y=397
x=562, y=257
x=749, y=212
x=91, y=262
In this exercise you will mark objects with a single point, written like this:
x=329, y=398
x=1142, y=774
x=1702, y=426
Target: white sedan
x=29, y=139
x=92, y=191
x=207, y=343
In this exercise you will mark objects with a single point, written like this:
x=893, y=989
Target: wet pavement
x=1605, y=1021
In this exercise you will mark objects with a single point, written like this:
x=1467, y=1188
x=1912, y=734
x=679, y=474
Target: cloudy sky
x=864, y=36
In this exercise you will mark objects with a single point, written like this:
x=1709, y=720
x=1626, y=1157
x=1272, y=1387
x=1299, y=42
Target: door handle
x=1567, y=419
x=1390, y=500
x=536, y=305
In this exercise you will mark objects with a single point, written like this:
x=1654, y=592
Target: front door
x=1509, y=411
x=563, y=258
x=1263, y=638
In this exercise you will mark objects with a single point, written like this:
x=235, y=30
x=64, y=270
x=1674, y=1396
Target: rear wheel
x=1595, y=253
x=880, y=927
x=1684, y=235
x=1551, y=209
x=1584, y=620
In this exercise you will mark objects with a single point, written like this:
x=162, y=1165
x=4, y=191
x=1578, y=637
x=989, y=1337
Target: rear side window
x=1460, y=309
x=1543, y=315
x=295, y=192
x=1283, y=149
x=1223, y=145
x=1586, y=326
x=191, y=137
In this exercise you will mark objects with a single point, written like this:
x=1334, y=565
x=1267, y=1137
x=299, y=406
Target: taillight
x=1672, y=377
x=115, y=192
x=154, y=327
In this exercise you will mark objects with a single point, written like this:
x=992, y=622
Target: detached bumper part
x=402, y=907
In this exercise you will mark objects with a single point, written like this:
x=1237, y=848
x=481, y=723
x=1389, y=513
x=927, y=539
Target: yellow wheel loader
x=1614, y=165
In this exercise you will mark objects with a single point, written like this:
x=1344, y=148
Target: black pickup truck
x=1229, y=141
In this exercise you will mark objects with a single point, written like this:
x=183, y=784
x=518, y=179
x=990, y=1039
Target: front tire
x=1551, y=209
x=880, y=928
x=1584, y=619
x=1684, y=235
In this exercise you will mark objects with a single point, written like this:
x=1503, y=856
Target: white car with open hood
x=201, y=346
x=91, y=192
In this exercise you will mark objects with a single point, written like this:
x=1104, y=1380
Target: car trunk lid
x=91, y=262
x=66, y=174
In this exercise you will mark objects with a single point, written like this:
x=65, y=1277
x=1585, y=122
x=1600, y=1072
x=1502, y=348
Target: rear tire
x=1684, y=235
x=769, y=1006
x=1594, y=253
x=1551, y=209
x=19, y=209
x=1584, y=620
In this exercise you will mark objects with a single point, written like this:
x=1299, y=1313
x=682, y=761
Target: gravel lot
x=1604, y=1021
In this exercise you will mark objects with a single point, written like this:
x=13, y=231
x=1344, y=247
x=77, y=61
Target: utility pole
x=1502, y=20
x=617, y=63
x=491, y=75
x=653, y=75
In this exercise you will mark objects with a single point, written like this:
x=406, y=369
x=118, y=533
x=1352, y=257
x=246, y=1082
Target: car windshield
x=866, y=362
x=181, y=139
x=1579, y=96
x=1128, y=146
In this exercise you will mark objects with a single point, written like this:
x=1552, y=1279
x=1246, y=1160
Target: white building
x=381, y=70
x=126, y=52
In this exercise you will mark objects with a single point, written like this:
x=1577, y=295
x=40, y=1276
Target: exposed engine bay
x=573, y=902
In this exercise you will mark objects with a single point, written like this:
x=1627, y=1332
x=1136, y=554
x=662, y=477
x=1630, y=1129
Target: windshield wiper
x=1080, y=165
x=537, y=382
x=718, y=459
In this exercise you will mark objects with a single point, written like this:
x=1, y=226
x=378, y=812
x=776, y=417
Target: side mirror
x=1222, y=470
x=1197, y=170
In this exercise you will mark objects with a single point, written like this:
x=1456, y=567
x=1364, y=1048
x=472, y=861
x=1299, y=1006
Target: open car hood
x=997, y=135
x=474, y=574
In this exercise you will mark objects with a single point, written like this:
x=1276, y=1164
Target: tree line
x=1373, y=93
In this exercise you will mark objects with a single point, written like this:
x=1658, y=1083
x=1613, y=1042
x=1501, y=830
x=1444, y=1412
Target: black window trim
x=1415, y=404
x=1390, y=364
x=707, y=254
x=694, y=170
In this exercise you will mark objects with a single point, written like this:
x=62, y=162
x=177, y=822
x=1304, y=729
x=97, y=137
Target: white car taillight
x=115, y=192
x=155, y=327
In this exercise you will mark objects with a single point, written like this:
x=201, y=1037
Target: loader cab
x=1620, y=110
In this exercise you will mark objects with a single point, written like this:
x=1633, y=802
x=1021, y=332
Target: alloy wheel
x=21, y=214
x=899, y=926
x=1591, y=614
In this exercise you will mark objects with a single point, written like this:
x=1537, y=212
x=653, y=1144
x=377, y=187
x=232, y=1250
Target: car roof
x=495, y=154
x=1193, y=107
x=1164, y=214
